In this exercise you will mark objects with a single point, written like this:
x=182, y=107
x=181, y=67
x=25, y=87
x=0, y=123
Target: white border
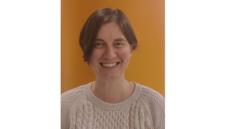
x=197, y=64
x=30, y=64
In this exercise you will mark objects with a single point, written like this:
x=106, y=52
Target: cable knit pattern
x=81, y=109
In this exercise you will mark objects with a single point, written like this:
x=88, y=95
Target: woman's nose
x=109, y=53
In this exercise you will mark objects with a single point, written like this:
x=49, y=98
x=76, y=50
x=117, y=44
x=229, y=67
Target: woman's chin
x=110, y=75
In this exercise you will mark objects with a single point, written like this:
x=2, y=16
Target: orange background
x=147, y=19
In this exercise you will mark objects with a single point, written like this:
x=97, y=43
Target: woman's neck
x=112, y=91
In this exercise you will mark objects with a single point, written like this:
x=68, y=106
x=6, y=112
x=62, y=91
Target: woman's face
x=111, y=53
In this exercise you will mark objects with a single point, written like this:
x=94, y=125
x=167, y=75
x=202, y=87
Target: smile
x=109, y=65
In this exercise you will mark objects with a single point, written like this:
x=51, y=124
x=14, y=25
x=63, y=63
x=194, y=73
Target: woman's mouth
x=109, y=65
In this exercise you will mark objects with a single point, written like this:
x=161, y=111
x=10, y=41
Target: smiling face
x=111, y=52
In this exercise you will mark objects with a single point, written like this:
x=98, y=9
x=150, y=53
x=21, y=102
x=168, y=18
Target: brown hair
x=96, y=20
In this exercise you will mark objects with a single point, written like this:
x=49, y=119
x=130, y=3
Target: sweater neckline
x=113, y=106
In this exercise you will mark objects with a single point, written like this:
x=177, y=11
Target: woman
x=111, y=102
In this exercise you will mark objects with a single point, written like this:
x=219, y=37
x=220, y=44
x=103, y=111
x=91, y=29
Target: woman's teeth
x=109, y=65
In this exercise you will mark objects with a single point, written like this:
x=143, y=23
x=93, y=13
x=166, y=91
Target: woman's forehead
x=110, y=30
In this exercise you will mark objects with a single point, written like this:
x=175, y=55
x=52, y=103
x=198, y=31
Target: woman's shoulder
x=153, y=105
x=75, y=93
x=71, y=101
x=149, y=94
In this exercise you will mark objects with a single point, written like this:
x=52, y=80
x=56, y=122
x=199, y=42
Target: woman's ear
x=132, y=48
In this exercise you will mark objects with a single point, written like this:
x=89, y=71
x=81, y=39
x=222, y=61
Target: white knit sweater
x=81, y=109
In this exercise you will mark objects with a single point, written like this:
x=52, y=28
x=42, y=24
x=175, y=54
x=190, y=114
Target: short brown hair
x=96, y=20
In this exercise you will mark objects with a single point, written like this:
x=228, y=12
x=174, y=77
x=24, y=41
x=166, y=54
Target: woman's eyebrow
x=120, y=39
x=99, y=40
x=117, y=39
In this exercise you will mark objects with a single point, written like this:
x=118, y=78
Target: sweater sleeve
x=67, y=101
x=65, y=104
x=158, y=112
x=155, y=104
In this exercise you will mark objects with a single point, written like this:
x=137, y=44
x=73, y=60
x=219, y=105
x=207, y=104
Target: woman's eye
x=119, y=44
x=99, y=45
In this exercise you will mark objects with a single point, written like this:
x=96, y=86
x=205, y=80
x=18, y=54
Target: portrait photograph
x=112, y=64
